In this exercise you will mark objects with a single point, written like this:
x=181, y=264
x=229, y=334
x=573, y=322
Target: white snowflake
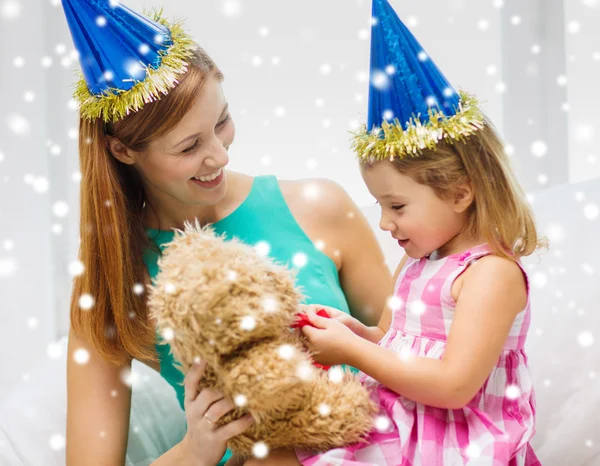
x=336, y=374
x=325, y=68
x=60, y=209
x=324, y=409
x=135, y=69
x=262, y=248
x=130, y=378
x=248, y=323
x=299, y=260
x=585, y=339
x=310, y=191
x=10, y=9
x=286, y=352
x=311, y=164
x=590, y=211
x=240, y=400
x=305, y=371
x=473, y=451
x=81, y=356
x=270, y=304
x=86, y=301
x=574, y=27
x=76, y=268
x=588, y=269
x=417, y=307
x=388, y=115
x=539, y=280
x=138, y=289
x=383, y=423
x=168, y=334
x=539, y=148
x=19, y=125
x=170, y=288
x=260, y=450
x=54, y=351
x=584, y=133
x=7, y=267
x=555, y=232
x=232, y=8
x=57, y=442
x=512, y=392
x=256, y=61
x=266, y=160
x=380, y=80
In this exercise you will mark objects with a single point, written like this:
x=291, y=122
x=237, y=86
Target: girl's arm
x=493, y=292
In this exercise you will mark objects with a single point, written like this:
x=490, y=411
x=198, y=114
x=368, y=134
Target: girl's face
x=187, y=165
x=412, y=212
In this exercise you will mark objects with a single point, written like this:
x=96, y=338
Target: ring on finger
x=212, y=423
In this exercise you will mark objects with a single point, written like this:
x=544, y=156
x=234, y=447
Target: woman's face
x=187, y=165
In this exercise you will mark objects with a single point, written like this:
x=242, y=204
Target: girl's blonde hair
x=113, y=238
x=500, y=213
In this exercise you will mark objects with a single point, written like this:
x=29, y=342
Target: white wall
x=27, y=281
x=582, y=25
x=473, y=41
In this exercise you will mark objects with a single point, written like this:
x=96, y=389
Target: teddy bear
x=223, y=302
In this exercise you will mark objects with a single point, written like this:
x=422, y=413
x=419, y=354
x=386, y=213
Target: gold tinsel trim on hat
x=399, y=142
x=114, y=104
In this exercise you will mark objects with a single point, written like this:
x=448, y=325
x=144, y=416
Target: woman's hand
x=353, y=324
x=328, y=338
x=205, y=443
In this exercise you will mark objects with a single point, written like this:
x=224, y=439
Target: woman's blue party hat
x=127, y=60
x=412, y=105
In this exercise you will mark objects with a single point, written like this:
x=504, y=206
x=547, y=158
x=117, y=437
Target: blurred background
x=296, y=80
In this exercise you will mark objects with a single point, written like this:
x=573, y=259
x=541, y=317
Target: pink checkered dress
x=493, y=429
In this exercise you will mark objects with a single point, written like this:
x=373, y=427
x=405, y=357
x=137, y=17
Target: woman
x=146, y=173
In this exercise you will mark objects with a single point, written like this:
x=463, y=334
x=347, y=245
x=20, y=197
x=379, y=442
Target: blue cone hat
x=127, y=60
x=412, y=105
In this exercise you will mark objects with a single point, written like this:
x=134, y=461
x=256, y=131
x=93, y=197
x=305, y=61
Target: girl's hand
x=353, y=324
x=329, y=339
x=205, y=443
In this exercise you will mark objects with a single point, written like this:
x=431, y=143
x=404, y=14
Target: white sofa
x=563, y=348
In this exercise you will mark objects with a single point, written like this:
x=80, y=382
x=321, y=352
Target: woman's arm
x=98, y=405
x=493, y=292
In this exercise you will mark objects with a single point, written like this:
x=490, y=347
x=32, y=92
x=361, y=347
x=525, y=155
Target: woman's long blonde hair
x=112, y=232
x=500, y=213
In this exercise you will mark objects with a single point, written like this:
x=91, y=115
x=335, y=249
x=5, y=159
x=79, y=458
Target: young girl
x=446, y=364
